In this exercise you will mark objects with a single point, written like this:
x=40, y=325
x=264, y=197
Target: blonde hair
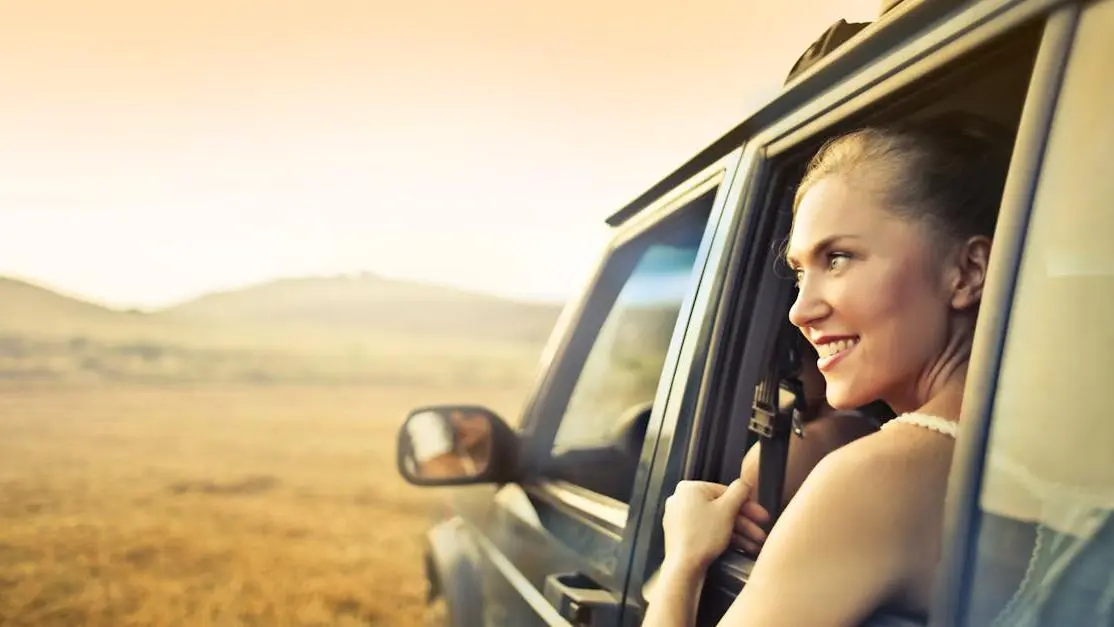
x=947, y=171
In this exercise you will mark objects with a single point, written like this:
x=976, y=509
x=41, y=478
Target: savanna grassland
x=231, y=461
x=212, y=505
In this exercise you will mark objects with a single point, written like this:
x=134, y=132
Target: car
x=669, y=365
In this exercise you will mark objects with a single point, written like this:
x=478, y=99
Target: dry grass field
x=213, y=505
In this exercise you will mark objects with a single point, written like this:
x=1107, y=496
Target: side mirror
x=454, y=445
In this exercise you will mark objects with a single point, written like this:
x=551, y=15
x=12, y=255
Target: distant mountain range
x=310, y=330
x=343, y=328
x=325, y=306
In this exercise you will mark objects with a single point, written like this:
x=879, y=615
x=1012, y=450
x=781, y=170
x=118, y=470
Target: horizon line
x=124, y=307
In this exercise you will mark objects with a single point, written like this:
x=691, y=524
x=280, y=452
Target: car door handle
x=581, y=601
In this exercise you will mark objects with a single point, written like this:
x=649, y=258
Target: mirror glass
x=446, y=443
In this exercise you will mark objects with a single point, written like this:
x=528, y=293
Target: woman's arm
x=676, y=594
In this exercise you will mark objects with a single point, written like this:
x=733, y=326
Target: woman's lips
x=833, y=351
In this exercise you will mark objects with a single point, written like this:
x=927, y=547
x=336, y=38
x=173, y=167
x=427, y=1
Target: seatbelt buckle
x=763, y=420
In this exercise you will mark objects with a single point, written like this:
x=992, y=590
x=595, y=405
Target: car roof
x=895, y=27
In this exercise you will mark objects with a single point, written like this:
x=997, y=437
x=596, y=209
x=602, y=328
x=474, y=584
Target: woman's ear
x=970, y=275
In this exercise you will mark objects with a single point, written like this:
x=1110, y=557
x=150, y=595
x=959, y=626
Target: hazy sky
x=154, y=150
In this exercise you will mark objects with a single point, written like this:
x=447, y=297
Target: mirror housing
x=444, y=445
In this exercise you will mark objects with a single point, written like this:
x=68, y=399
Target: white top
x=927, y=421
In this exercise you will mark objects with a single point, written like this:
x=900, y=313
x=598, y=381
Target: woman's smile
x=832, y=350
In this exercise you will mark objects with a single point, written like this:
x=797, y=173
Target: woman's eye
x=837, y=261
x=798, y=276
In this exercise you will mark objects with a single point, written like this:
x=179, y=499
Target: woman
x=890, y=242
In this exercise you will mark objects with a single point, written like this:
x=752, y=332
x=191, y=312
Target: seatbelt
x=778, y=413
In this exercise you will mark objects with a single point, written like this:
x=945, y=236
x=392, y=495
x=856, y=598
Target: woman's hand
x=699, y=520
x=750, y=524
x=750, y=533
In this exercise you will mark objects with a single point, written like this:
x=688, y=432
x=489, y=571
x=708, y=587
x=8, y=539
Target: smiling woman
x=890, y=244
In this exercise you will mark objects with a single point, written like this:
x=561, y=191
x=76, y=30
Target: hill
x=330, y=329
x=371, y=304
x=27, y=309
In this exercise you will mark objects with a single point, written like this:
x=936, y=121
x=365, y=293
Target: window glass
x=623, y=367
x=598, y=441
x=1045, y=544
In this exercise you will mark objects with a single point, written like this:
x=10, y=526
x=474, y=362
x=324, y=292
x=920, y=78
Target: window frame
x=593, y=525
x=953, y=581
x=962, y=34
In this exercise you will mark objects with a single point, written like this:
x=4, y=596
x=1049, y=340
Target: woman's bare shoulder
x=886, y=473
x=904, y=452
x=853, y=521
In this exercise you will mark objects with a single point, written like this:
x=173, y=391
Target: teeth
x=830, y=349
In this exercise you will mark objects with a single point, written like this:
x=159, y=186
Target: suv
x=660, y=370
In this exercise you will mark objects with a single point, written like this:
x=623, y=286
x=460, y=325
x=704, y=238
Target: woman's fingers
x=733, y=497
x=746, y=544
x=755, y=512
x=749, y=529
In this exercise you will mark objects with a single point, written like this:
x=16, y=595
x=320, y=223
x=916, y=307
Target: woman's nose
x=808, y=306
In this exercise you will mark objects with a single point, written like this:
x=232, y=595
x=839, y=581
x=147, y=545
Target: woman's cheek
x=880, y=294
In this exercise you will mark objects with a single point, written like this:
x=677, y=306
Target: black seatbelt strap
x=778, y=412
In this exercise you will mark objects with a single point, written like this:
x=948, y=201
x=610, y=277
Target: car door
x=1032, y=527
x=556, y=546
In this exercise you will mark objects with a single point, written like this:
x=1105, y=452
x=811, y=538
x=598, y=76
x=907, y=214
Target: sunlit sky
x=153, y=151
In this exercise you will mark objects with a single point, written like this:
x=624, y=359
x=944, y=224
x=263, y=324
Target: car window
x=625, y=361
x=1044, y=553
x=599, y=437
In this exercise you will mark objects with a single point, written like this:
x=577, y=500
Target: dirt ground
x=248, y=505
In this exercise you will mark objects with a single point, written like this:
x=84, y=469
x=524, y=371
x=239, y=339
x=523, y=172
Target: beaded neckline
x=927, y=421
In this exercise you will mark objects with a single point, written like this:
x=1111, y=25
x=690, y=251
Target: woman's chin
x=845, y=400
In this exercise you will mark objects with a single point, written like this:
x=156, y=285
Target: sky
x=155, y=151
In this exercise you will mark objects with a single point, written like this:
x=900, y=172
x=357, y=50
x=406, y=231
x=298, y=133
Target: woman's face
x=873, y=300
